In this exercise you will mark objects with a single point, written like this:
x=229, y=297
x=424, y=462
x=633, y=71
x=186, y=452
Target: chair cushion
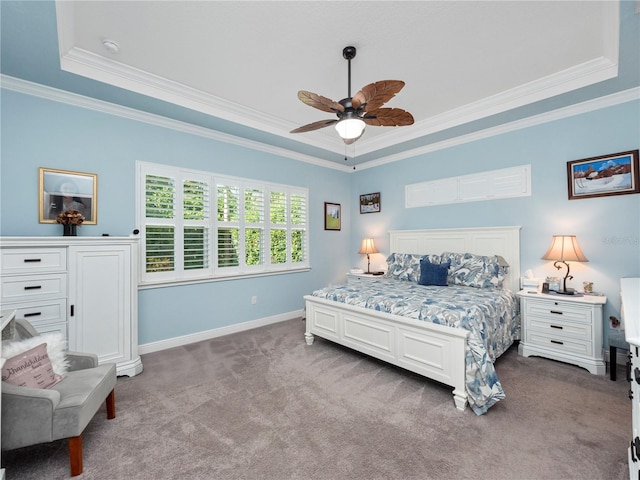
x=82, y=392
x=31, y=368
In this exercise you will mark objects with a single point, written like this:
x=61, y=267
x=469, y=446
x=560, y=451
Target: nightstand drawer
x=559, y=328
x=20, y=261
x=559, y=344
x=361, y=278
x=559, y=310
x=32, y=288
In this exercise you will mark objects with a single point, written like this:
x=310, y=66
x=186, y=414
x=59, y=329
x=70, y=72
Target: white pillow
x=56, y=346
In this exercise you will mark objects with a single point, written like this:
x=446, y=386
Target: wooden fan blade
x=318, y=101
x=376, y=94
x=389, y=117
x=314, y=126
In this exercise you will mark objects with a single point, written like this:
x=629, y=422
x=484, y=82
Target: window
x=256, y=228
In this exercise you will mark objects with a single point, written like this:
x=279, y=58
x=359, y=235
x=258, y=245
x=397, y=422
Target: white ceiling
x=245, y=61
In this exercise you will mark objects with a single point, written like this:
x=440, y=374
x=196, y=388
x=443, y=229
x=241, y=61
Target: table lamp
x=368, y=247
x=564, y=248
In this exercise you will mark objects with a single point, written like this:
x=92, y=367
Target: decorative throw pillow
x=30, y=369
x=477, y=271
x=56, y=347
x=406, y=266
x=433, y=274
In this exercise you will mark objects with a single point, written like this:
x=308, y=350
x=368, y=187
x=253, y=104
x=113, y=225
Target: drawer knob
x=32, y=314
x=32, y=260
x=558, y=342
x=556, y=326
x=33, y=287
x=556, y=312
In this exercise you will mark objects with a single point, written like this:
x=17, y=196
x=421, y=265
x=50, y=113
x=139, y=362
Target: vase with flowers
x=70, y=219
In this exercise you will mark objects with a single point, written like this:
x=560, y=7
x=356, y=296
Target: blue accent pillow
x=433, y=274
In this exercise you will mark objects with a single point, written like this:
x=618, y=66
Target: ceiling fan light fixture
x=350, y=128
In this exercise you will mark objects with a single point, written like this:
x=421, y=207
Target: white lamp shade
x=350, y=128
x=565, y=248
x=368, y=246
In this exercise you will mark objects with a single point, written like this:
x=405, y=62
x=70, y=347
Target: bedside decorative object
x=61, y=190
x=370, y=203
x=553, y=284
x=368, y=247
x=564, y=248
x=615, y=174
x=564, y=328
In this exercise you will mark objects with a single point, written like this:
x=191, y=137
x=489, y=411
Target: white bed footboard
x=435, y=351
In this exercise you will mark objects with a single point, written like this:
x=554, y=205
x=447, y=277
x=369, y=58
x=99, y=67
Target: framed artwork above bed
x=615, y=174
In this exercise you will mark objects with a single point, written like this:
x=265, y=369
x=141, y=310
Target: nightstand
x=359, y=278
x=567, y=328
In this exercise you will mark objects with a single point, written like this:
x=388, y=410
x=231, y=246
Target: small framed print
x=370, y=203
x=332, y=216
x=615, y=174
x=62, y=190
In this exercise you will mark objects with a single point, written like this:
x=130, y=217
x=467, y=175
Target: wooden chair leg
x=111, y=405
x=75, y=455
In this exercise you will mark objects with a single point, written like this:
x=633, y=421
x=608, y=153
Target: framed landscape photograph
x=370, y=203
x=615, y=174
x=62, y=190
x=332, y=216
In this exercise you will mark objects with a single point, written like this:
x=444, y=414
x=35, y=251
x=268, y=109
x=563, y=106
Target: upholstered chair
x=32, y=416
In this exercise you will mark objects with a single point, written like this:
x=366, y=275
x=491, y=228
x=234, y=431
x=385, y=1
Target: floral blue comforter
x=490, y=315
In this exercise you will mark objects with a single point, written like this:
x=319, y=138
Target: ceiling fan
x=364, y=108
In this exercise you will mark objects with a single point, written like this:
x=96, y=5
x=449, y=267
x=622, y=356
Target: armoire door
x=100, y=301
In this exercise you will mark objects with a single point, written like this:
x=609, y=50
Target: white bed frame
x=435, y=351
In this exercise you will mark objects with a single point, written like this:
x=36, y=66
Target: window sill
x=219, y=278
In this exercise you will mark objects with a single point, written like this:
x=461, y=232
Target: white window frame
x=213, y=272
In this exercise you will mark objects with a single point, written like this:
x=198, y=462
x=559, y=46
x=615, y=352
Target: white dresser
x=84, y=287
x=630, y=293
x=567, y=328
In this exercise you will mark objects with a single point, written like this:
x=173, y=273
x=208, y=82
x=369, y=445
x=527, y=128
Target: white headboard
x=504, y=241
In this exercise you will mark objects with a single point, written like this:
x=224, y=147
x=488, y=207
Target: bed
x=409, y=334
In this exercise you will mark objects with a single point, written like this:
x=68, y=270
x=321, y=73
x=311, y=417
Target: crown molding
x=57, y=95
x=630, y=95
x=61, y=96
x=568, y=80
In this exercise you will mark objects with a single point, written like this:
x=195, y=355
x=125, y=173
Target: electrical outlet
x=254, y=300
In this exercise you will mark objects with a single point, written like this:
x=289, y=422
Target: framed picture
x=370, y=203
x=332, y=216
x=61, y=190
x=615, y=174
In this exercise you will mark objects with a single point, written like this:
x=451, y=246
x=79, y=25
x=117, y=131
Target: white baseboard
x=216, y=332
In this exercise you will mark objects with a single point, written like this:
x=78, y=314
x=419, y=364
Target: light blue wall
x=608, y=228
x=43, y=133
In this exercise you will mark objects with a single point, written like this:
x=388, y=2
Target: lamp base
x=568, y=291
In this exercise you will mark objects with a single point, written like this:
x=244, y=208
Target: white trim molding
x=54, y=94
x=217, y=332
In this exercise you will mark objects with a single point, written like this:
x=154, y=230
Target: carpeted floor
x=263, y=405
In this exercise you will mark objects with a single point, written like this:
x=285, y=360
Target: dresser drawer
x=42, y=313
x=559, y=310
x=20, y=261
x=27, y=288
x=558, y=327
x=559, y=344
